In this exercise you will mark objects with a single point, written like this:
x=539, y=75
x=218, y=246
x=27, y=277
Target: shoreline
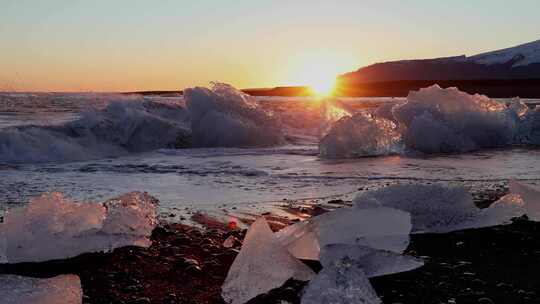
x=187, y=264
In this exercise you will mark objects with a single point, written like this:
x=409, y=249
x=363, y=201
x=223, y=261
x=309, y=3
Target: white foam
x=122, y=127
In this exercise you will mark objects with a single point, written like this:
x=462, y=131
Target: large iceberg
x=222, y=116
x=435, y=120
x=64, y=289
x=380, y=227
x=262, y=265
x=431, y=120
x=53, y=227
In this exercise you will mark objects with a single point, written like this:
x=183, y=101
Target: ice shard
x=373, y=262
x=64, y=289
x=262, y=265
x=380, y=228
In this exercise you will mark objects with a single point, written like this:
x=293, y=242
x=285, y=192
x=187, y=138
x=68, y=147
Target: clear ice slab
x=380, y=227
x=262, y=265
x=373, y=262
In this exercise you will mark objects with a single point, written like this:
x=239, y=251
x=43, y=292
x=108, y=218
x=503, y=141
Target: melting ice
x=53, y=227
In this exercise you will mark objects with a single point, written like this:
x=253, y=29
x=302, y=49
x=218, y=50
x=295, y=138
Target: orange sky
x=122, y=45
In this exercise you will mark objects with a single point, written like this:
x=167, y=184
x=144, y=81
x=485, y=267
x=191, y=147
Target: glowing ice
x=373, y=262
x=262, y=265
x=65, y=289
x=531, y=199
x=380, y=228
x=360, y=135
x=225, y=117
x=342, y=283
x=53, y=227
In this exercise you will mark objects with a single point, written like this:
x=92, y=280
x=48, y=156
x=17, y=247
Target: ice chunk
x=225, y=117
x=500, y=212
x=343, y=283
x=53, y=227
x=64, y=289
x=381, y=228
x=529, y=128
x=373, y=262
x=262, y=265
x=360, y=135
x=519, y=107
x=433, y=208
x=531, y=199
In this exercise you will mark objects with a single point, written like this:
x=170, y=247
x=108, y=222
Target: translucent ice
x=373, y=262
x=433, y=208
x=262, y=265
x=65, y=289
x=431, y=120
x=529, y=128
x=531, y=199
x=380, y=227
x=342, y=283
x=360, y=135
x=225, y=117
x=435, y=120
x=53, y=227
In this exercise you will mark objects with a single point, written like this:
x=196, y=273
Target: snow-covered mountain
x=519, y=62
x=520, y=55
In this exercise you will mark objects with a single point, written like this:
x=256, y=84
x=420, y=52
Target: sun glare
x=323, y=85
x=318, y=70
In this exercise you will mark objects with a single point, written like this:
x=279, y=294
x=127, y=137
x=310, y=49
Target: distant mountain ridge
x=519, y=62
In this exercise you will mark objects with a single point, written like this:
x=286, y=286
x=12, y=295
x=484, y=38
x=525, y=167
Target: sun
x=318, y=70
x=322, y=85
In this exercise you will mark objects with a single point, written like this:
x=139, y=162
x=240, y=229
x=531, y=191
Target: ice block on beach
x=53, y=227
x=262, y=265
x=380, y=228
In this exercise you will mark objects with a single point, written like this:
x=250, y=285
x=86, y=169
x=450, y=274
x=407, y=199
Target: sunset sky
x=97, y=45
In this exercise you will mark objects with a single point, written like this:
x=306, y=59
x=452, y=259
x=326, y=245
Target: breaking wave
x=225, y=117
x=433, y=120
x=122, y=127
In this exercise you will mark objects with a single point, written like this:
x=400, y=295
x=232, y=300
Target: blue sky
x=136, y=45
